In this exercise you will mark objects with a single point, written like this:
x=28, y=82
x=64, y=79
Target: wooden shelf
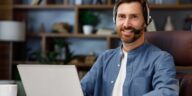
x=25, y=62
x=34, y=34
x=76, y=35
x=95, y=6
x=152, y=6
x=71, y=35
x=171, y=6
x=43, y=6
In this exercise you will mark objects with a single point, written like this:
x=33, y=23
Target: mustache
x=134, y=30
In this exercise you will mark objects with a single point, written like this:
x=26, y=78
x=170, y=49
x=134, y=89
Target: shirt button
x=112, y=82
x=118, y=65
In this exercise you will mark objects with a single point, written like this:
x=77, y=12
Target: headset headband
x=144, y=4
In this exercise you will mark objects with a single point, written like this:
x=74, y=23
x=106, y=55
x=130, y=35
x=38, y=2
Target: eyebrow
x=129, y=14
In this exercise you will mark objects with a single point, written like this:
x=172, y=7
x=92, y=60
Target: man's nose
x=126, y=23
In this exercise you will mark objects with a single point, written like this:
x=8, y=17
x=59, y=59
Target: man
x=137, y=68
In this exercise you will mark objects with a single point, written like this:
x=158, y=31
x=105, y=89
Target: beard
x=137, y=33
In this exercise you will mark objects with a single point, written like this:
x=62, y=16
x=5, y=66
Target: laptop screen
x=50, y=80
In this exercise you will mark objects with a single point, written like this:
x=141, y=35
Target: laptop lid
x=50, y=80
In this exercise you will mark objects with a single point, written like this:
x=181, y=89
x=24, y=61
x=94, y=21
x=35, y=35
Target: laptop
x=50, y=80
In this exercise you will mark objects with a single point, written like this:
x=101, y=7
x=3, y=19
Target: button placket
x=118, y=65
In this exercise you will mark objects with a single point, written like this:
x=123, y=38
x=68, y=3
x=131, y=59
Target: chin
x=130, y=39
x=127, y=40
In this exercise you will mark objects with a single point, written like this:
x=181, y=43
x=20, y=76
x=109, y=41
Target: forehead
x=132, y=7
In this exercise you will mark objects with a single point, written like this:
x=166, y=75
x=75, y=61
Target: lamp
x=11, y=31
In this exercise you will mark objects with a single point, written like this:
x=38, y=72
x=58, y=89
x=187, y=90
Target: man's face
x=130, y=17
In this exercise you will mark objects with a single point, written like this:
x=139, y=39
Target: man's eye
x=121, y=16
x=134, y=16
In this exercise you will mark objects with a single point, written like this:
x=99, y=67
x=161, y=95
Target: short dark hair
x=145, y=9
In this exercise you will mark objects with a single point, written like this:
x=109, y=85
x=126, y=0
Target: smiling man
x=136, y=68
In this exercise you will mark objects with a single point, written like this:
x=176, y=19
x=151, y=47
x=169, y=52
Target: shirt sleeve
x=89, y=81
x=164, y=80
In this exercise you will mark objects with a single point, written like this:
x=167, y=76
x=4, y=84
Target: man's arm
x=89, y=80
x=164, y=80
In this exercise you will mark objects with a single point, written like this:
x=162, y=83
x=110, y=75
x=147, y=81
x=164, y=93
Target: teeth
x=127, y=31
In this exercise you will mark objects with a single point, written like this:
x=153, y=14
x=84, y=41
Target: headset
x=146, y=11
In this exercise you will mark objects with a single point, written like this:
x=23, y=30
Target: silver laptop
x=50, y=80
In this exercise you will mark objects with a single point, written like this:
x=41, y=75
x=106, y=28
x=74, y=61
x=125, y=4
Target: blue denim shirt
x=150, y=72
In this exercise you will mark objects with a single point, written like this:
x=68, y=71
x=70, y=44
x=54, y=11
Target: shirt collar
x=136, y=50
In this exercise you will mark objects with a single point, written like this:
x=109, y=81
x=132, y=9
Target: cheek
x=142, y=24
x=118, y=28
x=118, y=25
x=139, y=25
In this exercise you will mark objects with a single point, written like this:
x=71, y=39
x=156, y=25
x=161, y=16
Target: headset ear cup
x=114, y=19
x=114, y=13
x=149, y=20
x=148, y=14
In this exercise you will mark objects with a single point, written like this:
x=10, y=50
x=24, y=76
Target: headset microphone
x=136, y=31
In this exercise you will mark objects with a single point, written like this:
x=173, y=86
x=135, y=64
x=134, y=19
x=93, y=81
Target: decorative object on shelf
x=36, y=2
x=65, y=53
x=163, y=1
x=168, y=24
x=87, y=29
x=88, y=18
x=61, y=27
x=12, y=31
x=151, y=1
x=188, y=23
x=47, y=58
x=78, y=2
x=42, y=28
x=86, y=2
x=151, y=27
x=158, y=1
x=155, y=1
x=59, y=2
x=61, y=52
x=114, y=1
x=93, y=2
x=104, y=1
x=90, y=59
x=104, y=31
x=99, y=2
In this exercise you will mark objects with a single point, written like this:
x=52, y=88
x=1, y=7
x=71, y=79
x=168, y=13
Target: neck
x=130, y=46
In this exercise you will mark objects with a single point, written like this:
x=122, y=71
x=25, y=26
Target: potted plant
x=64, y=49
x=62, y=52
x=88, y=20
